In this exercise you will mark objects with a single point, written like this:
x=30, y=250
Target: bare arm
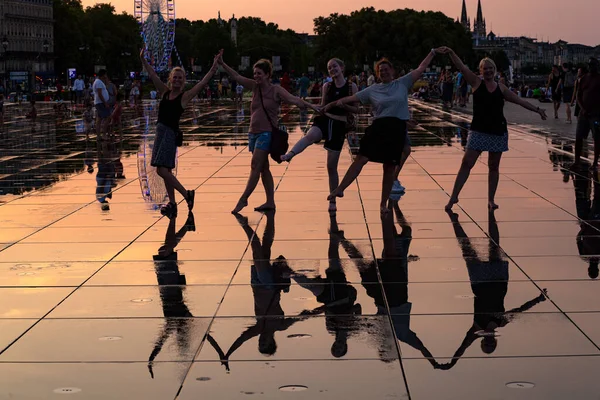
x=342, y=102
x=580, y=97
x=245, y=82
x=160, y=85
x=513, y=98
x=291, y=99
x=575, y=91
x=193, y=92
x=417, y=73
x=471, y=78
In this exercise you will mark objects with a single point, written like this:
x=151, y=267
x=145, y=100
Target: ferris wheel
x=156, y=19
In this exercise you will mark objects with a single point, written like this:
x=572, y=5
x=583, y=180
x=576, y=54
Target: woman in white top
x=383, y=141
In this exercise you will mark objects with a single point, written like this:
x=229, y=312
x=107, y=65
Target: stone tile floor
x=419, y=304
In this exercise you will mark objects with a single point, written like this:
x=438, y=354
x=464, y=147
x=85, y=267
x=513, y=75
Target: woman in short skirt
x=489, y=131
x=173, y=102
x=383, y=141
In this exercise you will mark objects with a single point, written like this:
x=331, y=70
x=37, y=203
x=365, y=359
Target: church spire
x=464, y=20
x=479, y=29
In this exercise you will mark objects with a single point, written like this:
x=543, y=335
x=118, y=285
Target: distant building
x=26, y=39
x=523, y=51
x=479, y=27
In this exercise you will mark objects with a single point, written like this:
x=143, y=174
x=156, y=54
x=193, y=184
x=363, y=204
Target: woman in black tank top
x=489, y=130
x=172, y=104
x=331, y=126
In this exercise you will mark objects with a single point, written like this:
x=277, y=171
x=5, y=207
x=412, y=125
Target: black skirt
x=383, y=141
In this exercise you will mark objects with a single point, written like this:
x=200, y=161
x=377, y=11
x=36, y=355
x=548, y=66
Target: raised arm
x=193, y=92
x=245, y=82
x=513, y=98
x=291, y=99
x=417, y=73
x=471, y=78
x=160, y=85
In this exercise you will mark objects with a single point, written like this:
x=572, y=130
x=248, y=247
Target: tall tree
x=403, y=36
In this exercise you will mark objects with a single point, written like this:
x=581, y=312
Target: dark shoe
x=190, y=199
x=190, y=223
x=169, y=211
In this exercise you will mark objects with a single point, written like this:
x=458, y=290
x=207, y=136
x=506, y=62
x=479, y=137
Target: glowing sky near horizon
x=576, y=21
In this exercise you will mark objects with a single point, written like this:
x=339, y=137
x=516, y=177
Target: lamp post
x=126, y=63
x=5, y=47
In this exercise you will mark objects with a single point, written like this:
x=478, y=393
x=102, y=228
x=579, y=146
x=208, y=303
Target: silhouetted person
x=393, y=270
x=105, y=175
x=489, y=283
x=178, y=318
x=588, y=211
x=336, y=294
x=268, y=281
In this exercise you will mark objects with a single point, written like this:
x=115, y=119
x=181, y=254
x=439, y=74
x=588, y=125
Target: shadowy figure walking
x=588, y=211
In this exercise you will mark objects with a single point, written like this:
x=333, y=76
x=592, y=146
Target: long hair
x=173, y=71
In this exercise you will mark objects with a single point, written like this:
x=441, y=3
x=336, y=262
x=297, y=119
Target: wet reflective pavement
x=122, y=303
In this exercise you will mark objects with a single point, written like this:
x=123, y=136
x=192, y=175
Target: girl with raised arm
x=173, y=102
x=489, y=130
x=383, y=141
x=264, y=114
x=331, y=126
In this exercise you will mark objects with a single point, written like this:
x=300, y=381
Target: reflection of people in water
x=393, y=270
x=588, y=211
x=178, y=318
x=105, y=175
x=489, y=282
x=336, y=294
x=268, y=281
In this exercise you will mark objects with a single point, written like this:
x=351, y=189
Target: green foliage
x=98, y=36
x=201, y=40
x=403, y=36
x=499, y=57
x=94, y=36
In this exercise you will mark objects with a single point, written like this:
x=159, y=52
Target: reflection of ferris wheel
x=151, y=185
x=156, y=19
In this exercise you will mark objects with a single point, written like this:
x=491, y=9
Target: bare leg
x=581, y=135
x=493, y=178
x=314, y=135
x=171, y=183
x=269, y=185
x=405, y=154
x=468, y=162
x=259, y=158
x=333, y=158
x=386, y=185
x=569, y=118
x=352, y=173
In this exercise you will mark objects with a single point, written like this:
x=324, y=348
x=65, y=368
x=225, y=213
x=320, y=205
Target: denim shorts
x=103, y=111
x=261, y=141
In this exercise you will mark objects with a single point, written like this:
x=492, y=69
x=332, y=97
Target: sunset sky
x=576, y=21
